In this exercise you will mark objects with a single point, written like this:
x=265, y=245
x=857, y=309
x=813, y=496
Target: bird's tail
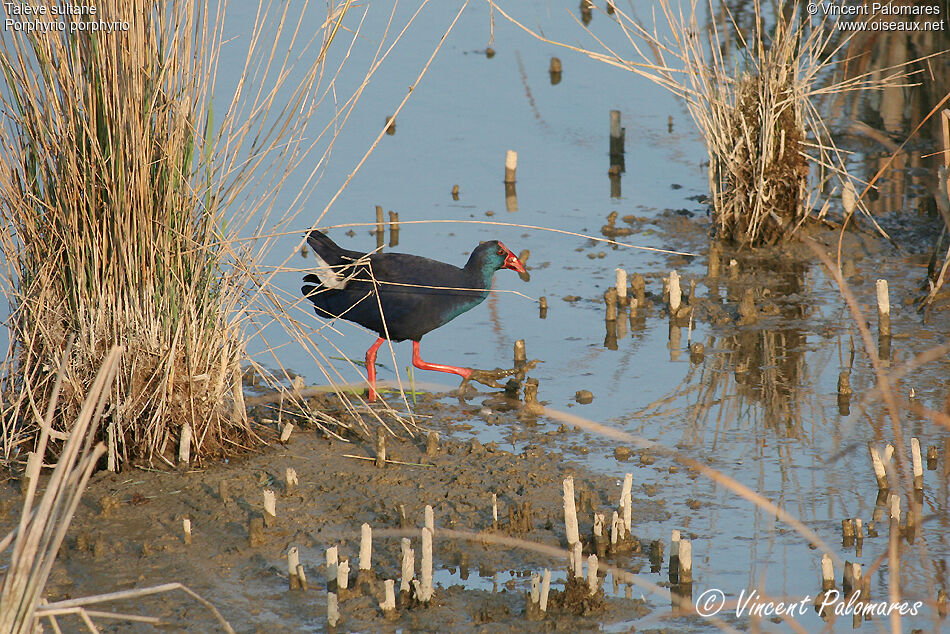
x=330, y=259
x=328, y=250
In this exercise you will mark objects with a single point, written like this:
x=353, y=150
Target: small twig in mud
x=412, y=384
x=388, y=461
x=305, y=392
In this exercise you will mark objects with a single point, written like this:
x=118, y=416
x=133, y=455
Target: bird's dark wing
x=416, y=294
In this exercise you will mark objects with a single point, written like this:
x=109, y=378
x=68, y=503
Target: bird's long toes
x=488, y=377
x=491, y=377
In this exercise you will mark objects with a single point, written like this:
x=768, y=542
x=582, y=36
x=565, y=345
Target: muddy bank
x=128, y=533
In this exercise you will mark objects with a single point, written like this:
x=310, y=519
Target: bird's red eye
x=501, y=251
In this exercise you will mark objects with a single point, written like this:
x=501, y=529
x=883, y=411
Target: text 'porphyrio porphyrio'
x=401, y=296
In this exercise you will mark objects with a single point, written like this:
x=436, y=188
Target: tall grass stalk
x=121, y=195
x=42, y=528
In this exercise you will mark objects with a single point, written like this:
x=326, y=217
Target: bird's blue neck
x=480, y=271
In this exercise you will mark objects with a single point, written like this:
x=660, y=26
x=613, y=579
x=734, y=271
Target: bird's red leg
x=438, y=367
x=371, y=367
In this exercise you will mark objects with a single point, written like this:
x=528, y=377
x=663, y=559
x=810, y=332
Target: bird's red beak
x=511, y=261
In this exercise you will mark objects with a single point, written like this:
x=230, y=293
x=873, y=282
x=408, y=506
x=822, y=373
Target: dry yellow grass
x=120, y=200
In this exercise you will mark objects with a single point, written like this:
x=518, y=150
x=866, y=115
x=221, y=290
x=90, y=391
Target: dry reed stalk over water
x=560, y=554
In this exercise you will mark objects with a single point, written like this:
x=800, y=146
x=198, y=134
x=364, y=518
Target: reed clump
x=760, y=184
x=120, y=200
x=754, y=94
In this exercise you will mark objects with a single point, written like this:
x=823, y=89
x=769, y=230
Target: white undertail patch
x=328, y=277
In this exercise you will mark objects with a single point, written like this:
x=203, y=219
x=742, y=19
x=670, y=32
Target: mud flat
x=128, y=533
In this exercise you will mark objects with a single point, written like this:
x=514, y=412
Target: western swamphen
x=413, y=294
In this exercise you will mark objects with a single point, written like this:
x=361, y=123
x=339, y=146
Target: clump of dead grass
x=120, y=201
x=760, y=184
